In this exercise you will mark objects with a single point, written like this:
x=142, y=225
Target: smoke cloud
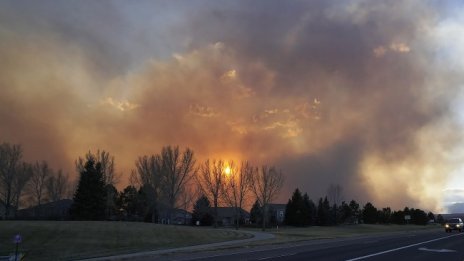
x=362, y=94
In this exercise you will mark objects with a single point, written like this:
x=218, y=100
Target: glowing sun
x=227, y=170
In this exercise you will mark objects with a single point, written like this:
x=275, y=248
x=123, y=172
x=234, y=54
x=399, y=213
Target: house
x=177, y=217
x=227, y=216
x=277, y=213
x=57, y=210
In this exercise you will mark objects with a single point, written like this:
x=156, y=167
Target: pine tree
x=90, y=197
x=202, y=212
x=370, y=214
x=310, y=216
x=255, y=213
x=323, y=210
x=296, y=213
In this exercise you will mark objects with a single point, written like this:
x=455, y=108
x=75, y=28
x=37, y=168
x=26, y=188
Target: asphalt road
x=436, y=245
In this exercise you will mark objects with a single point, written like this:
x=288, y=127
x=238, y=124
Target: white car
x=454, y=224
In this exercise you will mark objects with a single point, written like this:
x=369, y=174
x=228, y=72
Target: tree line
x=173, y=179
x=164, y=182
x=159, y=184
x=302, y=211
x=23, y=183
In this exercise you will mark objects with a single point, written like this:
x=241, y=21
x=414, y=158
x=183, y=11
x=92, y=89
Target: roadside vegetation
x=68, y=240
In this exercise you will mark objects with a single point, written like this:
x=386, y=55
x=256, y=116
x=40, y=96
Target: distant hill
x=456, y=208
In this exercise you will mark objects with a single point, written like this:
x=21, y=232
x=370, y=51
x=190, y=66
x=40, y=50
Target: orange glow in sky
x=356, y=93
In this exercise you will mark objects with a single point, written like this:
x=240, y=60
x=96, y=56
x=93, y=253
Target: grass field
x=67, y=240
x=293, y=234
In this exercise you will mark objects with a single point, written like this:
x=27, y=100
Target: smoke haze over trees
x=364, y=93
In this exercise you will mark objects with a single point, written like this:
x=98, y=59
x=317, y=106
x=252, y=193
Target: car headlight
x=446, y=225
x=458, y=225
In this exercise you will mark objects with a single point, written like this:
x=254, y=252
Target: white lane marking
x=400, y=248
x=436, y=250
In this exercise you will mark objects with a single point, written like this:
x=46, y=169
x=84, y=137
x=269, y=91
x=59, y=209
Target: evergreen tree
x=89, y=202
x=310, y=216
x=345, y=213
x=355, y=212
x=440, y=219
x=370, y=214
x=296, y=211
x=128, y=199
x=202, y=212
x=255, y=213
x=419, y=217
x=385, y=215
x=397, y=217
x=289, y=213
x=333, y=215
x=431, y=216
x=323, y=212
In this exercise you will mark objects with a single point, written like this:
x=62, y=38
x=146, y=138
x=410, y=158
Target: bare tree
x=236, y=187
x=107, y=164
x=334, y=193
x=10, y=158
x=167, y=173
x=57, y=185
x=37, y=185
x=22, y=177
x=209, y=179
x=148, y=176
x=186, y=198
x=176, y=171
x=266, y=185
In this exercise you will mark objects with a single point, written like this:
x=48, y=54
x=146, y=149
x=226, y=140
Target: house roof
x=278, y=205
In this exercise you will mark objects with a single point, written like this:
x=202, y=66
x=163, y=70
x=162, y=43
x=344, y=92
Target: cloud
x=119, y=105
x=400, y=47
x=355, y=93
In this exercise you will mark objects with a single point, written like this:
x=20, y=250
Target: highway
x=435, y=245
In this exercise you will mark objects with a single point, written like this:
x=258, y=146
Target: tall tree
x=310, y=218
x=370, y=214
x=107, y=167
x=323, y=212
x=355, y=211
x=57, y=186
x=266, y=185
x=177, y=169
x=210, y=180
x=236, y=187
x=89, y=201
x=106, y=162
x=296, y=211
x=201, y=211
x=167, y=173
x=255, y=213
x=128, y=200
x=37, y=185
x=431, y=216
x=334, y=194
x=148, y=176
x=22, y=177
x=10, y=163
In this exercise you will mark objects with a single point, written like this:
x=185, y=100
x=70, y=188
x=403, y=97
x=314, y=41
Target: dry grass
x=67, y=240
x=293, y=234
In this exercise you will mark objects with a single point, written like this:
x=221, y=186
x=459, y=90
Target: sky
x=364, y=94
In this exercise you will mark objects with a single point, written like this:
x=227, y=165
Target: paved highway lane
x=413, y=246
